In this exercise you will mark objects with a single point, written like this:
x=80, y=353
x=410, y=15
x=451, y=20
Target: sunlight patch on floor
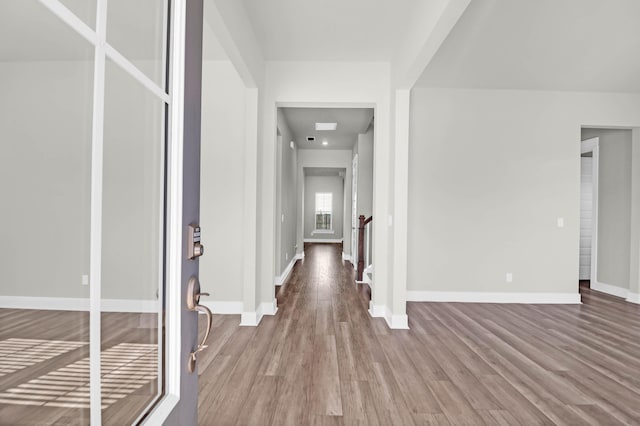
x=17, y=354
x=125, y=368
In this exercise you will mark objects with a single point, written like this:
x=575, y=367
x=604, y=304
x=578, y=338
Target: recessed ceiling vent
x=311, y=138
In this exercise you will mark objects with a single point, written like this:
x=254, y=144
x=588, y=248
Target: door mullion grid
x=102, y=50
x=95, y=269
x=135, y=72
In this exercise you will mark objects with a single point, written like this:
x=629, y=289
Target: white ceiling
x=581, y=45
x=351, y=121
x=329, y=30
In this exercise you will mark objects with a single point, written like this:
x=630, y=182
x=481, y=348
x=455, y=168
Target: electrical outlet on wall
x=509, y=277
x=286, y=256
x=85, y=280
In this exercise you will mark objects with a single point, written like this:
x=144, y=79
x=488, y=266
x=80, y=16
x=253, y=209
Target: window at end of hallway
x=324, y=204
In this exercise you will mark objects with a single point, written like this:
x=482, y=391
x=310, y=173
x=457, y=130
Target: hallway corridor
x=322, y=360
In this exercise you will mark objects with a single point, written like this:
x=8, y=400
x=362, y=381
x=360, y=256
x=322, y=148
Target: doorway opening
x=319, y=191
x=605, y=210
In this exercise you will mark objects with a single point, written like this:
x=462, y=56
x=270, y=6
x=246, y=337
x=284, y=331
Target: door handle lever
x=193, y=304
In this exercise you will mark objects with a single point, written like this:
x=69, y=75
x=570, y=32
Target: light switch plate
x=561, y=222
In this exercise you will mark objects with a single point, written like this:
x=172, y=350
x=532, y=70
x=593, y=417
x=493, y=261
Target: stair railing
x=361, y=243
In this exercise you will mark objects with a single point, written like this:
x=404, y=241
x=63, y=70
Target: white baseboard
x=609, y=289
x=249, y=319
x=377, y=311
x=633, y=298
x=398, y=322
x=285, y=274
x=616, y=291
x=346, y=257
x=299, y=256
x=395, y=322
x=486, y=297
x=78, y=304
x=323, y=240
x=268, y=308
x=252, y=319
x=223, y=308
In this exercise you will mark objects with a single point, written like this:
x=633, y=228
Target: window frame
x=318, y=211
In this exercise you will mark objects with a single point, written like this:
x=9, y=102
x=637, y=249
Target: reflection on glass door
x=82, y=164
x=132, y=246
x=46, y=81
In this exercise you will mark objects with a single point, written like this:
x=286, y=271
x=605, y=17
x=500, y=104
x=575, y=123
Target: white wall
x=614, y=205
x=489, y=174
x=45, y=166
x=365, y=173
x=335, y=186
x=132, y=210
x=222, y=182
x=286, y=198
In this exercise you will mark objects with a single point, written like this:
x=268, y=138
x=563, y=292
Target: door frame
x=593, y=145
x=179, y=403
x=354, y=211
x=186, y=57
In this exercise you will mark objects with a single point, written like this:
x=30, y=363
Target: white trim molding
x=398, y=322
x=633, y=298
x=299, y=256
x=249, y=319
x=486, y=297
x=252, y=319
x=593, y=145
x=323, y=240
x=346, y=257
x=79, y=304
x=323, y=231
x=269, y=308
x=223, y=308
x=280, y=280
x=395, y=322
x=614, y=290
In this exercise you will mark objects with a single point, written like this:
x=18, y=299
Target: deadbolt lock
x=194, y=246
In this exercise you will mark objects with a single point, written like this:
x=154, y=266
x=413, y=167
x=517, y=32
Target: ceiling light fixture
x=325, y=143
x=326, y=126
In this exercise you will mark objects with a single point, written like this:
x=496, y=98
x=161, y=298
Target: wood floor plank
x=322, y=359
x=458, y=364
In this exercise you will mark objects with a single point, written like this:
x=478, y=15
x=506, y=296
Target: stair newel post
x=361, y=247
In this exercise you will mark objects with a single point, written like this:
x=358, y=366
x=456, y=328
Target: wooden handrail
x=363, y=222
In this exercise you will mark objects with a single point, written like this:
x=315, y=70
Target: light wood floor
x=323, y=360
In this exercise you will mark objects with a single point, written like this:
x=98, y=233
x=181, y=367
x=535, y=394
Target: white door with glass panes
x=98, y=186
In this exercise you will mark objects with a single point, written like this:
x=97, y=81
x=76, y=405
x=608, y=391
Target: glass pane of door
x=46, y=86
x=138, y=30
x=83, y=9
x=132, y=249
